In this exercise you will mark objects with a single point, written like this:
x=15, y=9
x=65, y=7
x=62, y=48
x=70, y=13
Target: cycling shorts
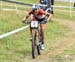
x=41, y=21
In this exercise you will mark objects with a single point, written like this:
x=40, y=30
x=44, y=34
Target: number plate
x=34, y=24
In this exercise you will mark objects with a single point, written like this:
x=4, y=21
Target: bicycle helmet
x=35, y=7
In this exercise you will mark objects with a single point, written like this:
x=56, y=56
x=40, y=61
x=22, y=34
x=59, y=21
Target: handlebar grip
x=23, y=21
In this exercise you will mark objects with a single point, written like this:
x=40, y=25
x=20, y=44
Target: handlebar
x=26, y=22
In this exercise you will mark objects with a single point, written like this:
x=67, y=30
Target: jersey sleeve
x=31, y=12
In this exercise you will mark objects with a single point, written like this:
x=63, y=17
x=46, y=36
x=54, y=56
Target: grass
x=66, y=14
x=28, y=1
x=17, y=47
x=63, y=3
x=10, y=22
x=13, y=17
x=67, y=55
x=14, y=6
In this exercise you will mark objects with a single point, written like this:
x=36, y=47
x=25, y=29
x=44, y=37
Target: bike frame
x=34, y=26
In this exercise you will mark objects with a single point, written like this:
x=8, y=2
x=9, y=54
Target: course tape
x=13, y=32
x=28, y=4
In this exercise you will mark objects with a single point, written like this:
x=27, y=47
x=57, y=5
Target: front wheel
x=35, y=46
x=34, y=53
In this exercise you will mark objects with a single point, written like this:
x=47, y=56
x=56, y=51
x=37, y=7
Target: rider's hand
x=24, y=21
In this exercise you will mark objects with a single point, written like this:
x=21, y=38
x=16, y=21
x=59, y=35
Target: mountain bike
x=36, y=38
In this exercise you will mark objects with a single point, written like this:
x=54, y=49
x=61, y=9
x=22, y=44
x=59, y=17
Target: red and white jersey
x=40, y=14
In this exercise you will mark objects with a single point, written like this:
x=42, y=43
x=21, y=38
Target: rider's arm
x=26, y=17
x=49, y=16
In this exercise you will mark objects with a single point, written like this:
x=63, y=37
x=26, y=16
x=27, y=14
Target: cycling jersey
x=39, y=15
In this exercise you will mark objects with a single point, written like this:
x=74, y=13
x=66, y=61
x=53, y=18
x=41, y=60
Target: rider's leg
x=51, y=14
x=42, y=26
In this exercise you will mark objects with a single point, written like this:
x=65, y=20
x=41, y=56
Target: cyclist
x=39, y=15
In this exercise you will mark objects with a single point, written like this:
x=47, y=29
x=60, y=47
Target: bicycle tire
x=34, y=53
x=38, y=49
x=40, y=40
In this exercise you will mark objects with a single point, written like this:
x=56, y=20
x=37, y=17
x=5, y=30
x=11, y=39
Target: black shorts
x=41, y=21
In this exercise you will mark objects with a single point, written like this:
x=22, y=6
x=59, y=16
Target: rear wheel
x=38, y=45
x=40, y=40
x=38, y=49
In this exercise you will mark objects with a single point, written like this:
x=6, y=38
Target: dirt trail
x=65, y=42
